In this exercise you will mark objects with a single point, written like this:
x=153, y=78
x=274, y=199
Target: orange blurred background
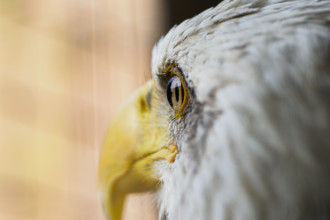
x=65, y=69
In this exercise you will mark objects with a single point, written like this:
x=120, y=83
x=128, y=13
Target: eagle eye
x=176, y=94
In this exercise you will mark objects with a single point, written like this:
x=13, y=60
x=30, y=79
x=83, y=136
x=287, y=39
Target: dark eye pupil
x=169, y=92
x=175, y=93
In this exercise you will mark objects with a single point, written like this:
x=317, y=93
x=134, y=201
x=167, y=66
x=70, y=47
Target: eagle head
x=235, y=123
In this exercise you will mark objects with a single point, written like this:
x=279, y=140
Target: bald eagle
x=235, y=124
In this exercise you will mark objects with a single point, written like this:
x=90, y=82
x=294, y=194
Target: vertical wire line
x=93, y=82
x=94, y=93
x=137, y=41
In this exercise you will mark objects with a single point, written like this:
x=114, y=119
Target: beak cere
x=130, y=148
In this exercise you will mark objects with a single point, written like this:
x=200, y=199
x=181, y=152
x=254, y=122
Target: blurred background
x=65, y=69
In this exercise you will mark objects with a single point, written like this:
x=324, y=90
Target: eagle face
x=236, y=121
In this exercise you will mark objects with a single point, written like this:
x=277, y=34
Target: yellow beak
x=130, y=148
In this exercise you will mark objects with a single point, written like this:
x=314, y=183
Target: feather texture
x=255, y=143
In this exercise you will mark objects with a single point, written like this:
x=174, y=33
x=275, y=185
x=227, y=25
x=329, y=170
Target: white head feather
x=256, y=144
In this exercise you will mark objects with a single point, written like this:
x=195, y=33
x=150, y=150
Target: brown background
x=65, y=69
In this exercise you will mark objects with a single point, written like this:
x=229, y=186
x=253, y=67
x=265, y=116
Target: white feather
x=265, y=66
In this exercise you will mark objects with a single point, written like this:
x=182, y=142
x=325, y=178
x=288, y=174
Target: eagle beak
x=126, y=161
